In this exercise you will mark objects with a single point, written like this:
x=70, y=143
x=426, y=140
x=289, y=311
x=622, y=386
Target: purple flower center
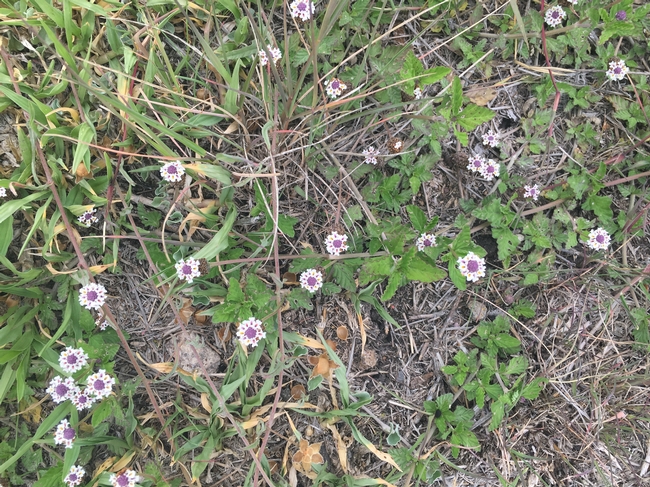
x=187, y=270
x=172, y=170
x=335, y=84
x=490, y=169
x=99, y=385
x=302, y=6
x=250, y=332
x=122, y=480
x=72, y=359
x=92, y=295
x=621, y=15
x=61, y=390
x=600, y=238
x=311, y=281
x=555, y=14
x=82, y=399
x=427, y=242
x=68, y=434
x=477, y=163
x=472, y=266
x=72, y=477
x=617, y=70
x=337, y=243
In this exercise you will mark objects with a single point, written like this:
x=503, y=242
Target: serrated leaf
x=456, y=96
x=503, y=340
x=395, y=281
x=473, y=115
x=235, y=293
x=417, y=217
x=419, y=270
x=344, y=276
x=532, y=390
x=517, y=365
x=433, y=75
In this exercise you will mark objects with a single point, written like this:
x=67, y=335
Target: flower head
x=621, y=15
x=491, y=138
x=335, y=243
x=72, y=359
x=425, y=240
x=92, y=296
x=250, y=332
x=311, y=280
x=417, y=93
x=88, y=217
x=128, y=478
x=82, y=400
x=490, y=170
x=617, y=70
x=172, y=171
x=100, y=384
x=370, y=155
x=531, y=192
x=395, y=145
x=303, y=9
x=276, y=55
x=62, y=389
x=554, y=16
x=472, y=266
x=335, y=87
x=75, y=475
x=476, y=164
x=599, y=239
x=101, y=323
x=3, y=192
x=65, y=434
x=188, y=269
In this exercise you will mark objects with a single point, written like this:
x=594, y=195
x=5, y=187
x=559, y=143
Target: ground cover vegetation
x=336, y=243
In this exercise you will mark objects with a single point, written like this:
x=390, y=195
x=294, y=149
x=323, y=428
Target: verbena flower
x=101, y=323
x=3, y=192
x=531, y=191
x=617, y=70
x=417, y=93
x=82, y=400
x=188, y=269
x=472, y=266
x=599, y=239
x=336, y=243
x=172, y=171
x=250, y=332
x=88, y=217
x=335, y=87
x=425, y=240
x=303, y=9
x=311, y=280
x=100, y=384
x=276, y=55
x=128, y=478
x=491, y=138
x=476, y=164
x=65, y=434
x=554, y=16
x=92, y=296
x=621, y=15
x=395, y=145
x=73, y=359
x=490, y=170
x=75, y=475
x=370, y=154
x=62, y=389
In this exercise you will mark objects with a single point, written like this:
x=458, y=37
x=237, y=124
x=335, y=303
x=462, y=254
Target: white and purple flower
x=172, y=171
x=250, y=332
x=476, y=164
x=335, y=87
x=65, y=434
x=92, y=296
x=100, y=384
x=61, y=389
x=88, y=217
x=425, y=240
x=276, y=55
x=531, y=191
x=188, y=269
x=490, y=170
x=472, y=267
x=82, y=400
x=336, y=243
x=617, y=70
x=370, y=155
x=75, y=476
x=128, y=478
x=554, y=16
x=311, y=280
x=303, y=9
x=72, y=360
x=599, y=239
x=491, y=138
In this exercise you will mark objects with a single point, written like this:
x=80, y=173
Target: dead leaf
x=362, y=330
x=481, y=95
x=341, y=447
x=205, y=402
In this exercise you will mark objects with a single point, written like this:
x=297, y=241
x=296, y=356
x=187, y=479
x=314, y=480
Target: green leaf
x=473, y=115
x=201, y=460
x=344, y=276
x=456, y=96
x=504, y=340
x=101, y=412
x=433, y=75
x=220, y=241
x=498, y=413
x=85, y=135
x=286, y=224
x=395, y=281
x=235, y=294
x=314, y=382
x=517, y=365
x=456, y=277
x=532, y=390
x=420, y=270
x=300, y=298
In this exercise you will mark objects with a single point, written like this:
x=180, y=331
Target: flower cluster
x=65, y=434
x=311, y=280
x=276, y=55
x=172, y=171
x=472, y=267
x=599, y=239
x=554, y=16
x=303, y=9
x=617, y=70
x=250, y=332
x=72, y=360
x=491, y=138
x=487, y=168
x=188, y=269
x=531, y=192
x=75, y=476
x=101, y=323
x=336, y=243
x=128, y=478
x=88, y=217
x=62, y=389
x=82, y=400
x=417, y=93
x=425, y=240
x=335, y=87
x=92, y=296
x=370, y=155
x=100, y=384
